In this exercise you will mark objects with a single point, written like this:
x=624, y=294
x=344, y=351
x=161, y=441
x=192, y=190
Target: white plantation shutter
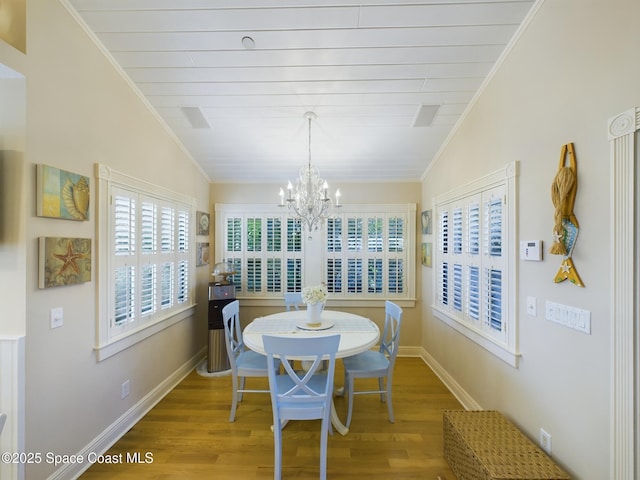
x=167, y=232
x=443, y=231
x=274, y=252
x=334, y=235
x=395, y=234
x=364, y=254
x=183, y=231
x=148, y=290
x=374, y=234
x=396, y=255
x=293, y=255
x=493, y=227
x=354, y=275
x=274, y=275
x=334, y=255
x=183, y=281
x=493, y=299
x=472, y=263
x=457, y=287
x=375, y=275
x=443, y=296
x=124, y=228
x=456, y=230
x=149, y=270
x=148, y=227
x=473, y=292
x=494, y=262
x=124, y=250
x=234, y=234
x=124, y=295
x=396, y=275
x=167, y=286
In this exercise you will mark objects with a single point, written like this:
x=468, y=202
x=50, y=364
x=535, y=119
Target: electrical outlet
x=125, y=389
x=545, y=441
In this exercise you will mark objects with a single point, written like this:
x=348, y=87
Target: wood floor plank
x=189, y=436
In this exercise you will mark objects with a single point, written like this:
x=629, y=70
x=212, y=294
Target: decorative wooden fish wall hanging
x=565, y=229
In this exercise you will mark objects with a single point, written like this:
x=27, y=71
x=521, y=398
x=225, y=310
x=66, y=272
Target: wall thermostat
x=531, y=250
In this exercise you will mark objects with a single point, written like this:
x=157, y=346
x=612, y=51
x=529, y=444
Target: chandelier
x=310, y=202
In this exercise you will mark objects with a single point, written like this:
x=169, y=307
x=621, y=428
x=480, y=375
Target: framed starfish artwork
x=64, y=261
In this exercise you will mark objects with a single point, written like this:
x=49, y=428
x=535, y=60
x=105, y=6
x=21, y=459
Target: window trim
x=507, y=350
x=107, y=344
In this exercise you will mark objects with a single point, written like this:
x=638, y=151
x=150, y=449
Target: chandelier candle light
x=311, y=202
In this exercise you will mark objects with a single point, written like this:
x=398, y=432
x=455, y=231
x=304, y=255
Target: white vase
x=314, y=313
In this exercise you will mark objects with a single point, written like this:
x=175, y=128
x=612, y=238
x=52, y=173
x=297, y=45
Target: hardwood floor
x=188, y=434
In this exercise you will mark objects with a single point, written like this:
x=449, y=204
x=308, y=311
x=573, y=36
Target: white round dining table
x=357, y=334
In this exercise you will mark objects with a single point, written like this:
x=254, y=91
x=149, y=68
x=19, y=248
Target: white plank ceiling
x=365, y=69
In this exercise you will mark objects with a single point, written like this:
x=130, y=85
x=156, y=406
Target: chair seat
x=371, y=362
x=252, y=361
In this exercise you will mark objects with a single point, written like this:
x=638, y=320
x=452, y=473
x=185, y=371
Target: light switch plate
x=56, y=317
x=532, y=306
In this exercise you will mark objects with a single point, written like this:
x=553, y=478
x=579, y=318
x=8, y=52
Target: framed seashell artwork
x=62, y=194
x=202, y=253
x=202, y=218
x=63, y=261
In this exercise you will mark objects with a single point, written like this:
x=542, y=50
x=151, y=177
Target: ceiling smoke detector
x=248, y=43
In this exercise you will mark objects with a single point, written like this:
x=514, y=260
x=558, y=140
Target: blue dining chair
x=243, y=362
x=376, y=364
x=292, y=300
x=305, y=395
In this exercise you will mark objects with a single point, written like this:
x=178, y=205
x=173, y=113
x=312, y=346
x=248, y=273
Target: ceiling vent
x=425, y=115
x=196, y=117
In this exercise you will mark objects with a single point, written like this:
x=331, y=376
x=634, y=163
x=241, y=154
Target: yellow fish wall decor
x=566, y=227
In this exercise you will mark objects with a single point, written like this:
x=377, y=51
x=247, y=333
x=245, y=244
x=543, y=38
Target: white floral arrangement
x=314, y=294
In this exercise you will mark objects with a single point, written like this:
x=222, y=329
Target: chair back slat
x=303, y=387
x=232, y=331
x=390, y=340
x=292, y=300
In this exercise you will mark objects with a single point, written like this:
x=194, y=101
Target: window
x=366, y=254
x=374, y=262
x=475, y=274
x=147, y=277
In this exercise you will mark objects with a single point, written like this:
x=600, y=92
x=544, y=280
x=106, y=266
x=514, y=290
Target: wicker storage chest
x=484, y=445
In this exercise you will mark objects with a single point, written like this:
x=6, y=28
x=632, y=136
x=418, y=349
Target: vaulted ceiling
x=232, y=79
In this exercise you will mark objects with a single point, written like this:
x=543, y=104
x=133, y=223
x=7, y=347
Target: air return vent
x=196, y=117
x=425, y=115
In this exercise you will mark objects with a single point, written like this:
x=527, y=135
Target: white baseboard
x=117, y=429
x=462, y=395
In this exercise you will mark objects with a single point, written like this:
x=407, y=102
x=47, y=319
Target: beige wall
x=574, y=68
x=355, y=193
x=79, y=111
